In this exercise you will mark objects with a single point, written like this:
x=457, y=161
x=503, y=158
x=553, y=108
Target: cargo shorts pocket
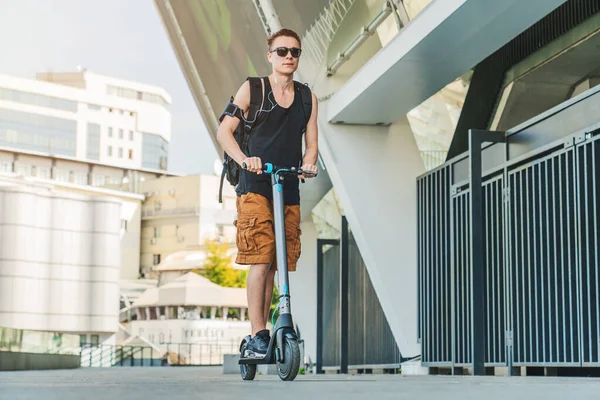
x=294, y=247
x=246, y=232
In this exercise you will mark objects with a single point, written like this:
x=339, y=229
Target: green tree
x=218, y=269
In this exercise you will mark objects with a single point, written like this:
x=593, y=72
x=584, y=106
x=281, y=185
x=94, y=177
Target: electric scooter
x=283, y=347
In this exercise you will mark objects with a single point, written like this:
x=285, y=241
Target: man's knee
x=261, y=269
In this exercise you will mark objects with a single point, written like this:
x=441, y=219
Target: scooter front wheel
x=248, y=371
x=288, y=369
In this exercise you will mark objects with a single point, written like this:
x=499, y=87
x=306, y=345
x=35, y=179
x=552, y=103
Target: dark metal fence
x=366, y=340
x=331, y=307
x=540, y=244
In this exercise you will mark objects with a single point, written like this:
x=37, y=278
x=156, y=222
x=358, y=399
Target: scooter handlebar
x=270, y=168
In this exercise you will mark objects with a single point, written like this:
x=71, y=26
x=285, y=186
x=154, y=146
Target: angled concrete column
x=374, y=170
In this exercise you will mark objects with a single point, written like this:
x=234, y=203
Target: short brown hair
x=283, y=32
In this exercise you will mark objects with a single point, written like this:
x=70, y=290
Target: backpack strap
x=256, y=100
x=306, y=97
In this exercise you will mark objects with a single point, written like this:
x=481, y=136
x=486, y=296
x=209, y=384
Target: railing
x=317, y=38
x=352, y=330
x=541, y=248
x=174, y=354
x=171, y=212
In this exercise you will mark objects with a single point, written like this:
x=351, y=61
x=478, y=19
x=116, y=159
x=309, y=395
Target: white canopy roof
x=192, y=289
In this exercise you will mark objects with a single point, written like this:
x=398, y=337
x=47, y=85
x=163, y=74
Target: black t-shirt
x=276, y=138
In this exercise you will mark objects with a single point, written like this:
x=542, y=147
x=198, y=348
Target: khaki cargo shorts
x=256, y=231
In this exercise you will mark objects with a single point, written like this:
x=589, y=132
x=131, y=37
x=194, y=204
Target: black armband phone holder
x=232, y=110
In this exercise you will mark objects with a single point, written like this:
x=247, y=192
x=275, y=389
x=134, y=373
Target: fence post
x=344, y=298
x=476, y=138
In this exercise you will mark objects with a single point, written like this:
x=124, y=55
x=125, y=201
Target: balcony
x=170, y=213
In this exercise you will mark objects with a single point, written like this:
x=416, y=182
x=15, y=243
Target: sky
x=120, y=38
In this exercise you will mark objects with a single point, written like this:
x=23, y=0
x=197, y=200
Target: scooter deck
x=261, y=361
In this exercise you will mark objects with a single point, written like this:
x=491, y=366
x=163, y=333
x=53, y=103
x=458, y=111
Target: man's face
x=286, y=64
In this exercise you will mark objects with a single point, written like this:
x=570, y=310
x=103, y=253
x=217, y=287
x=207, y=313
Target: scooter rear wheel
x=288, y=369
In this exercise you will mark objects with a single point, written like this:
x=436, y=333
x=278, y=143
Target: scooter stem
x=280, y=243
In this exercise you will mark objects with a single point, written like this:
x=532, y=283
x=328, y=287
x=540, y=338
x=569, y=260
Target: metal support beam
x=476, y=138
x=344, y=298
x=320, y=244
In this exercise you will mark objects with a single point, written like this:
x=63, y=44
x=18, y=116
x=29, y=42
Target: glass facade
x=93, y=141
x=18, y=340
x=155, y=151
x=434, y=121
x=135, y=95
x=37, y=132
x=37, y=100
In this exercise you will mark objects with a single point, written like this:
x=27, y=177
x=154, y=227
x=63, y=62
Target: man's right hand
x=253, y=164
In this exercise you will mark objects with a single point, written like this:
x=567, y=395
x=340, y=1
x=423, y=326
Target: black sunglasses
x=283, y=51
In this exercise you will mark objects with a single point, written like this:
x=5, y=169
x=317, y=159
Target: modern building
x=193, y=318
x=65, y=249
x=180, y=214
x=83, y=128
x=390, y=269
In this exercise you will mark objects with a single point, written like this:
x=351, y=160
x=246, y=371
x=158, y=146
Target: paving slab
x=178, y=383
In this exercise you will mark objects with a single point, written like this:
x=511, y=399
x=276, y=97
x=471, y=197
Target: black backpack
x=231, y=169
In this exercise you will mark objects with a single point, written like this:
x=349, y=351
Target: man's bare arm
x=312, y=140
x=229, y=125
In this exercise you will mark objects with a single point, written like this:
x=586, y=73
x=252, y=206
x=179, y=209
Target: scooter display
x=283, y=347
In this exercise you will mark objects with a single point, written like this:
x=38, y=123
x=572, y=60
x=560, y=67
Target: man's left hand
x=308, y=168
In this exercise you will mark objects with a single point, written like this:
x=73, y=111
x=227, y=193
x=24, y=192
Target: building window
x=130, y=154
x=95, y=340
x=124, y=225
x=24, y=169
x=109, y=151
x=93, y=141
x=6, y=166
x=130, y=135
x=98, y=180
x=38, y=132
x=110, y=131
x=43, y=172
x=62, y=175
x=35, y=99
x=155, y=150
x=94, y=107
x=156, y=232
x=80, y=178
x=120, y=133
x=120, y=152
x=156, y=259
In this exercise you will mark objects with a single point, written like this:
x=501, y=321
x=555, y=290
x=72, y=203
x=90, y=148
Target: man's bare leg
x=255, y=288
x=269, y=292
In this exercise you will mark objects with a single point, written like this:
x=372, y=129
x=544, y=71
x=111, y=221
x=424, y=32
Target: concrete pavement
x=175, y=383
